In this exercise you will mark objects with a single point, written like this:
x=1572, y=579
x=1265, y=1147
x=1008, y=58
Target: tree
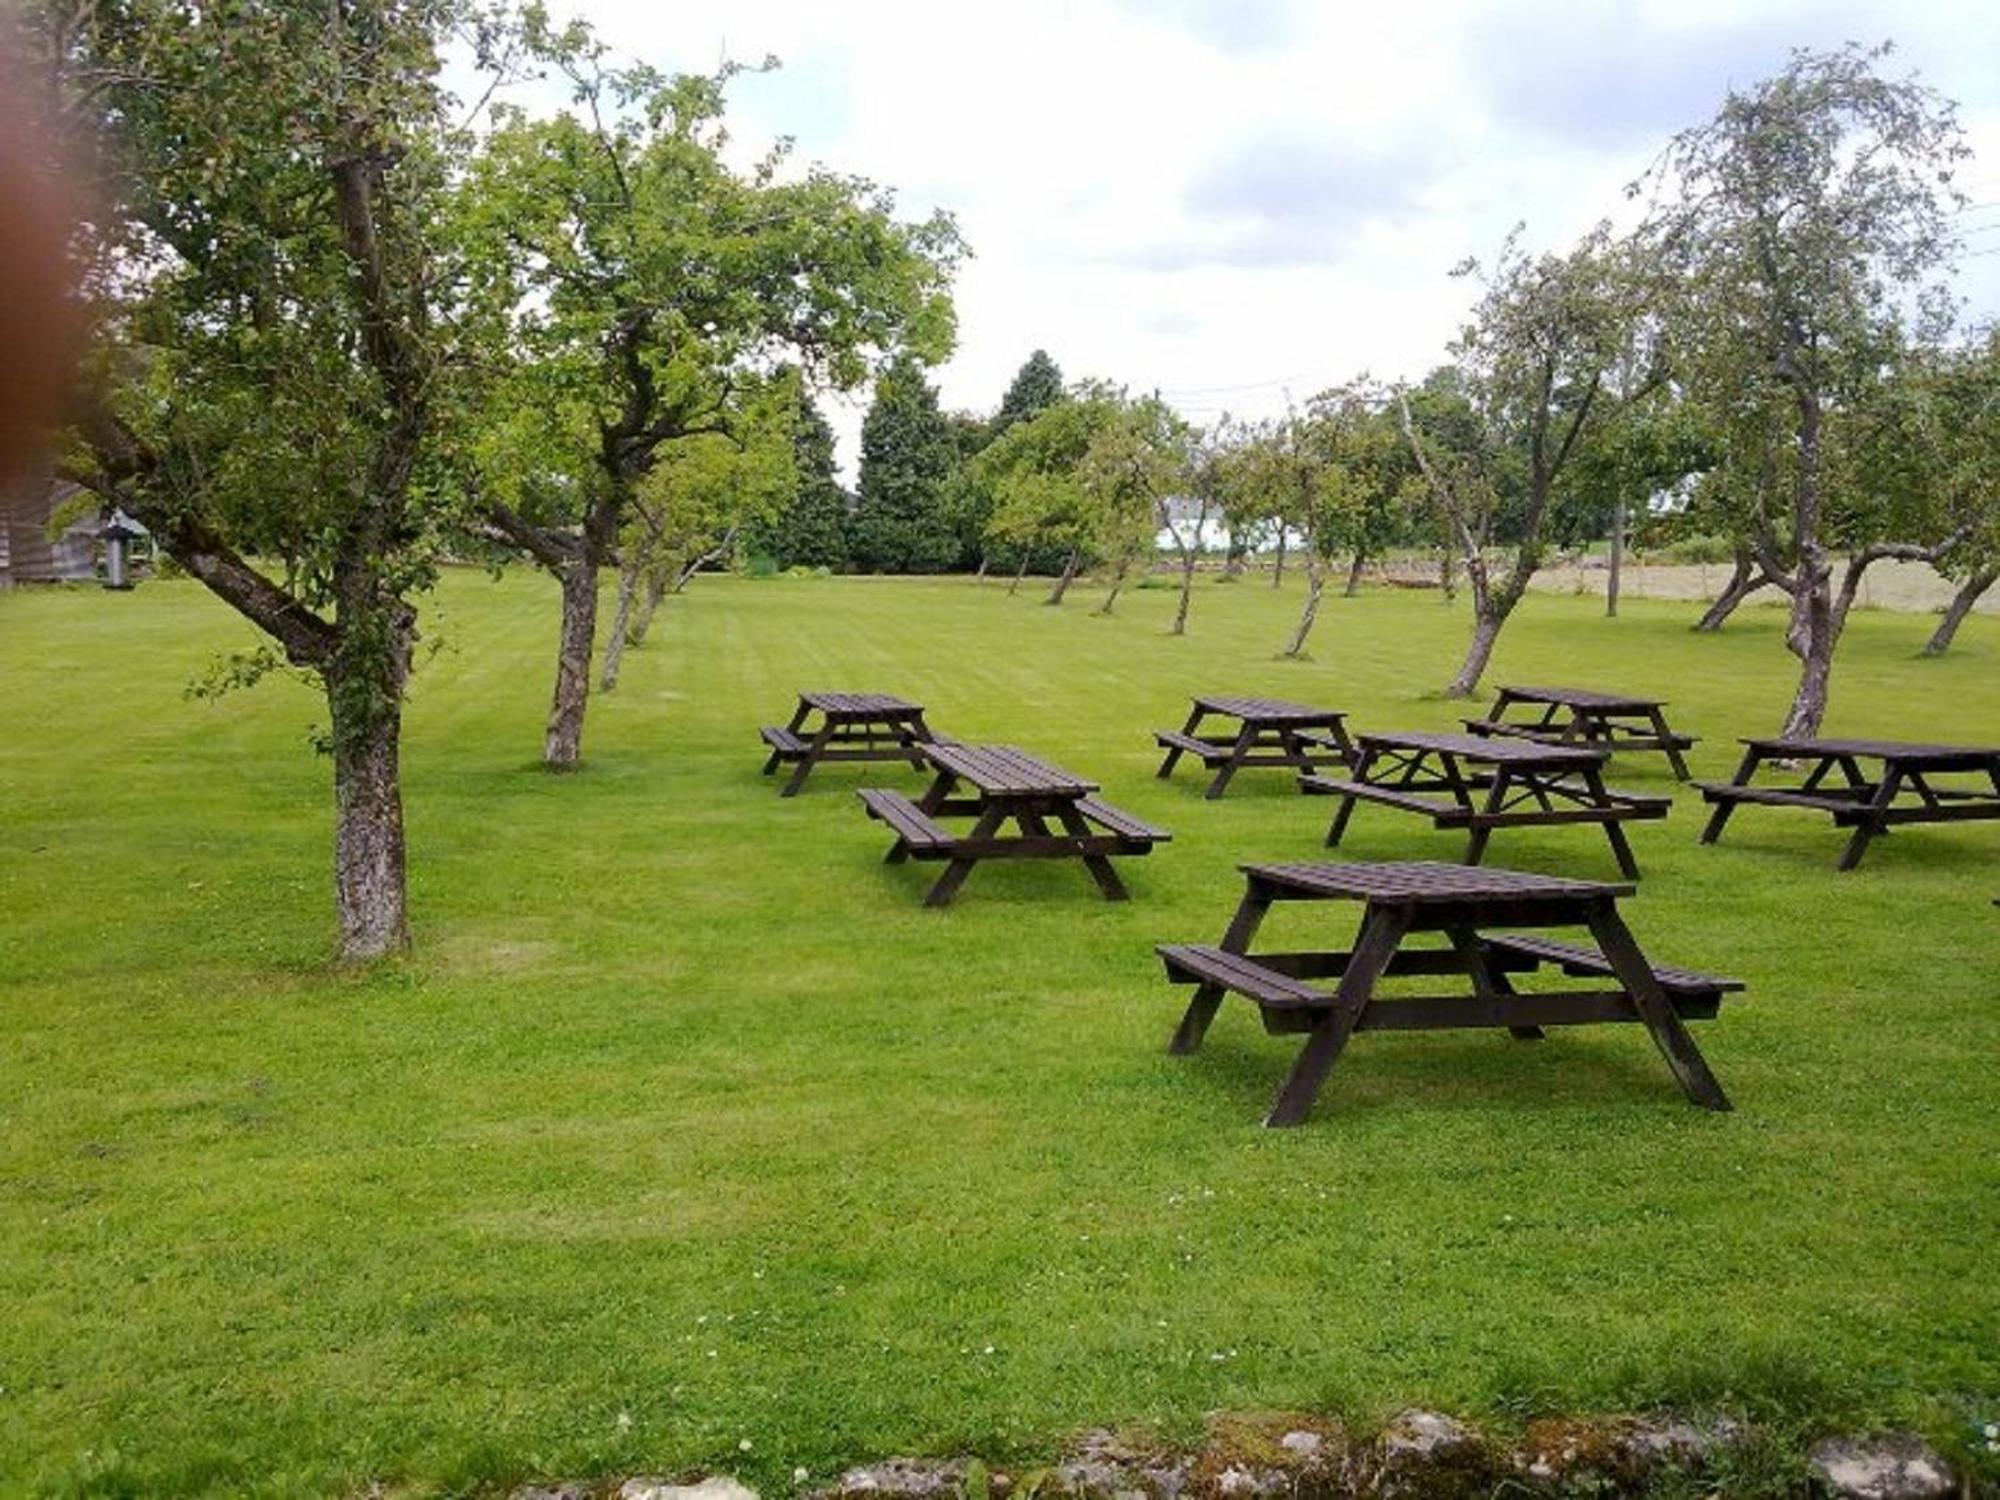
x=811, y=530
x=899, y=523
x=1534, y=357
x=701, y=494
x=1137, y=460
x=1969, y=429
x=1795, y=229
x=1035, y=473
x=641, y=279
x=1036, y=386
x=1320, y=470
x=277, y=343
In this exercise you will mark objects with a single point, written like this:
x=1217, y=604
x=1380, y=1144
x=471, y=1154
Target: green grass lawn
x=688, y=1138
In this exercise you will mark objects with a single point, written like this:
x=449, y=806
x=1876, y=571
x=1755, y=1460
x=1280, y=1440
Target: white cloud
x=1234, y=202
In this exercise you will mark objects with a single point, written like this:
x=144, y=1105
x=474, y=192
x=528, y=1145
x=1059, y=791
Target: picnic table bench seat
x=916, y=830
x=1122, y=823
x=1580, y=962
x=1446, y=813
x=1548, y=736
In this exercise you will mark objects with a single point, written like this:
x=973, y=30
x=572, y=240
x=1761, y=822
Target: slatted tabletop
x=1914, y=754
x=1422, y=881
x=1268, y=710
x=1003, y=771
x=1478, y=748
x=864, y=705
x=1583, y=698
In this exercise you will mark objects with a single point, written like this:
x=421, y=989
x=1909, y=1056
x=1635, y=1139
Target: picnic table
x=1580, y=716
x=1270, y=732
x=852, y=726
x=1528, y=784
x=1904, y=792
x=1007, y=785
x=1474, y=910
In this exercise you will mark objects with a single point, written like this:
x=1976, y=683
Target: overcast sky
x=1243, y=201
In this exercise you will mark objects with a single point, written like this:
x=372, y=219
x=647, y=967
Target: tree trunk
x=1117, y=585
x=1187, y=593
x=1960, y=606
x=649, y=603
x=1812, y=635
x=1278, y=570
x=1447, y=577
x=1617, y=560
x=1745, y=578
x=1019, y=573
x=621, y=624
x=368, y=852
x=1315, y=584
x=1354, y=573
x=1068, y=576
x=563, y=746
x=1485, y=631
x=979, y=573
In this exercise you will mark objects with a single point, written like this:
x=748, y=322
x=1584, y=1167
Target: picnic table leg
x=1382, y=929
x=1621, y=846
x=947, y=884
x=1475, y=845
x=1621, y=950
x=1244, y=739
x=912, y=733
x=1871, y=823
x=1674, y=756
x=1716, y=819
x=1174, y=752
x=792, y=726
x=809, y=759
x=1338, y=828
x=1488, y=983
x=1207, y=997
x=1098, y=865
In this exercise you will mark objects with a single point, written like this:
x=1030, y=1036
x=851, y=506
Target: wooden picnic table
x=1905, y=792
x=1270, y=732
x=1528, y=785
x=1466, y=906
x=852, y=726
x=1007, y=785
x=1582, y=716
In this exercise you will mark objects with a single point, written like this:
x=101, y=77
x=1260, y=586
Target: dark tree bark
x=1612, y=583
x=1315, y=586
x=1068, y=577
x=368, y=845
x=1278, y=567
x=1179, y=627
x=621, y=624
x=1019, y=573
x=1117, y=587
x=1961, y=605
x=1354, y=573
x=1478, y=652
x=1746, y=576
x=658, y=576
x=562, y=746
